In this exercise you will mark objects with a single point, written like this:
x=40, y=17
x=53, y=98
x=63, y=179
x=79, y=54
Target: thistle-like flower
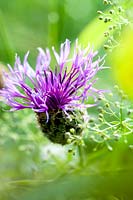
x=56, y=95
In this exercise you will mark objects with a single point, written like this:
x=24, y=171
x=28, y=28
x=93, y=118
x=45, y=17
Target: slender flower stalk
x=56, y=94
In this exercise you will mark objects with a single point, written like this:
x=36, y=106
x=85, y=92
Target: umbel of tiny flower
x=55, y=93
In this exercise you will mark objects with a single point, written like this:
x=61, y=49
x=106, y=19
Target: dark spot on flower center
x=52, y=102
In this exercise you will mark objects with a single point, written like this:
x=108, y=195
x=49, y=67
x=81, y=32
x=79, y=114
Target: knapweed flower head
x=54, y=93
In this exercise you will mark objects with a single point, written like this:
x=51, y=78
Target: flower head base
x=47, y=91
x=60, y=128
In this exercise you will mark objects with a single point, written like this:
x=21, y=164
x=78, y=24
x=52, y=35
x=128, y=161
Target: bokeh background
x=26, y=25
x=27, y=158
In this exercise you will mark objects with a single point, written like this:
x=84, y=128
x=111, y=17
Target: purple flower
x=57, y=95
x=45, y=89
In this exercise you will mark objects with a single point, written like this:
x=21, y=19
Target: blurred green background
x=31, y=168
x=26, y=25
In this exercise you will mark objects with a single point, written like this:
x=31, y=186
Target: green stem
x=81, y=157
x=121, y=114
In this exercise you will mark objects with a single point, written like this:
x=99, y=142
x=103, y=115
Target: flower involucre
x=47, y=90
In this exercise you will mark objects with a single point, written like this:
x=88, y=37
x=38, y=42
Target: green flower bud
x=110, y=28
x=105, y=2
x=91, y=120
x=106, y=34
x=107, y=105
x=100, y=109
x=99, y=12
x=100, y=18
x=100, y=115
x=111, y=12
x=106, y=47
x=67, y=135
x=109, y=2
x=101, y=120
x=72, y=130
x=120, y=9
x=106, y=20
